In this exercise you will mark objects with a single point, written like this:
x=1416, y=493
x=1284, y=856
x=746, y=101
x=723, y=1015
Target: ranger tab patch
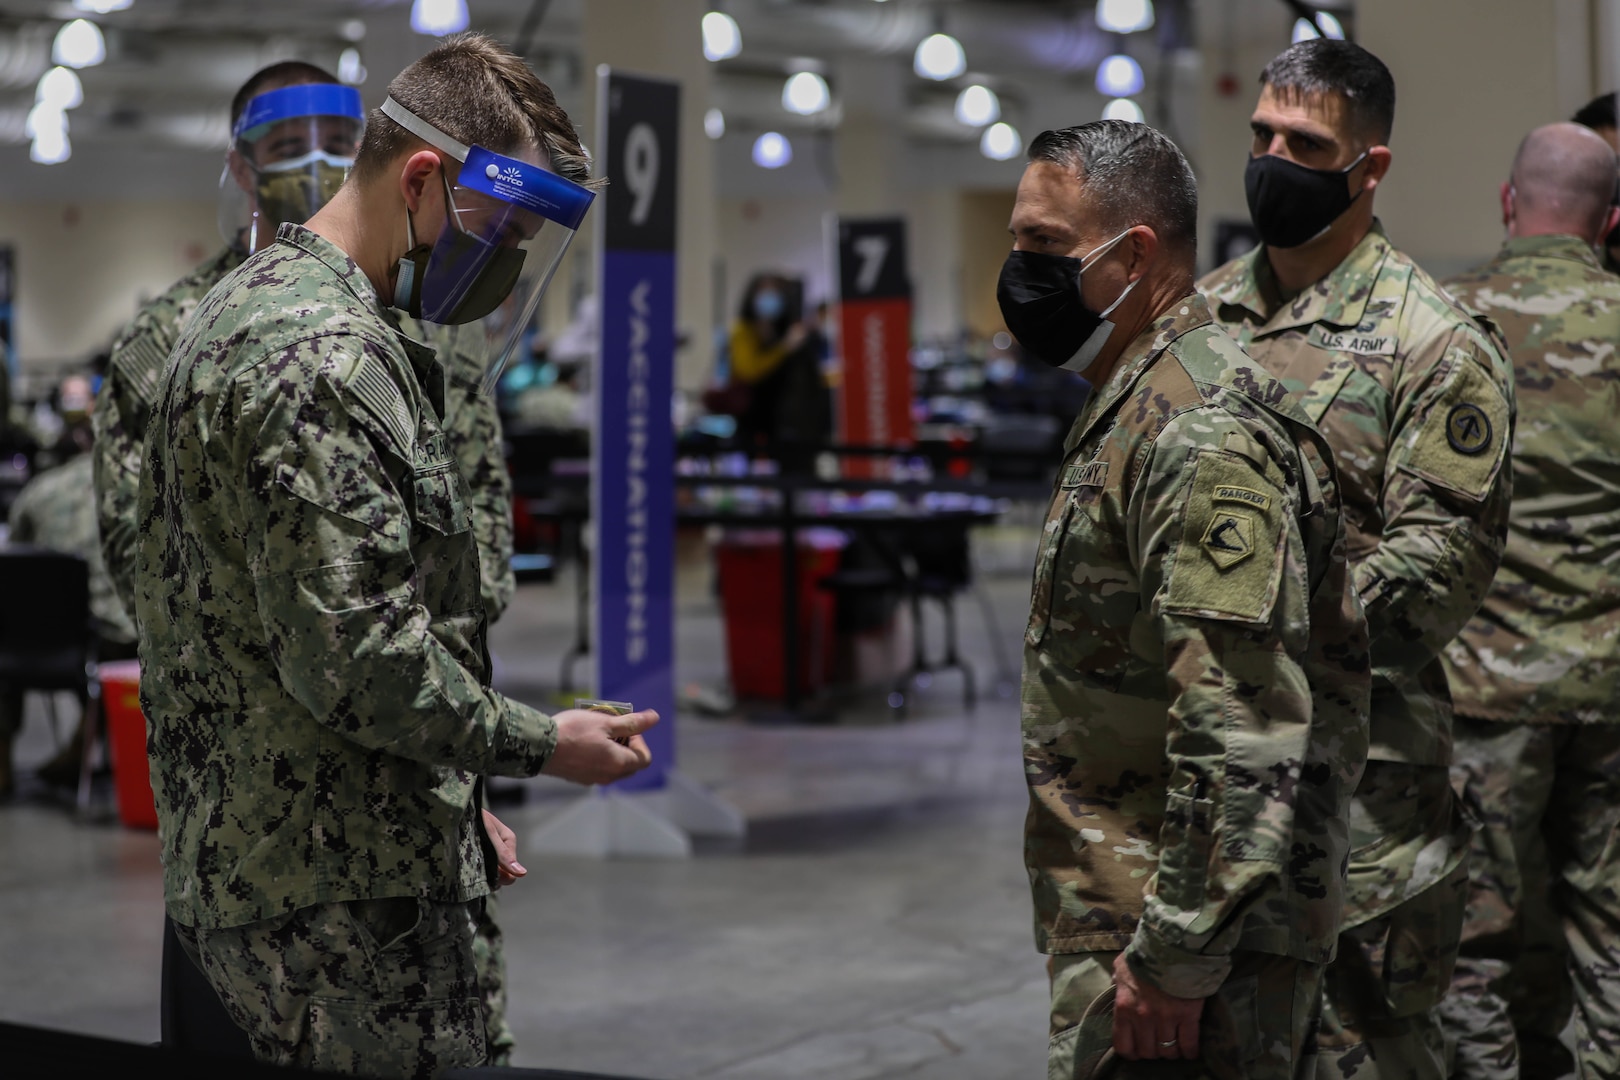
x=1247, y=496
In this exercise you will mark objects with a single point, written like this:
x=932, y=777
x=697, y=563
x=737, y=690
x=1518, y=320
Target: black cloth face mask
x=1291, y=204
x=1040, y=302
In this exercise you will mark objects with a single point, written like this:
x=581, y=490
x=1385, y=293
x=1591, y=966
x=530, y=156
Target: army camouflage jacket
x=1195, y=671
x=1545, y=647
x=1417, y=403
x=57, y=510
x=124, y=404
x=315, y=676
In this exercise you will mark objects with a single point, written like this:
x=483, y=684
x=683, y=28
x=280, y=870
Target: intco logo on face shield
x=510, y=175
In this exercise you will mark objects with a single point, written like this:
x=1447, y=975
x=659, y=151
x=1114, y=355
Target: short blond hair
x=479, y=93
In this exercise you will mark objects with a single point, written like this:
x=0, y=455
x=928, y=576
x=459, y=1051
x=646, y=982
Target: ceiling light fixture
x=60, y=89
x=1000, y=142
x=722, y=38
x=1123, y=109
x=436, y=18
x=1324, y=25
x=101, y=7
x=805, y=93
x=1119, y=76
x=1124, y=16
x=939, y=56
x=50, y=147
x=977, y=106
x=43, y=119
x=772, y=150
x=79, y=44
x=350, y=69
x=714, y=123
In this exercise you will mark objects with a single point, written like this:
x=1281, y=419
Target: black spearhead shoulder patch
x=1468, y=429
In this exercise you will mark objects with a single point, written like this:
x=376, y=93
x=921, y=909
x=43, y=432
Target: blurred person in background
x=776, y=389
x=1599, y=115
x=1535, y=674
x=57, y=511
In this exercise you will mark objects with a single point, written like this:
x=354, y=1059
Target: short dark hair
x=1329, y=66
x=1134, y=175
x=480, y=94
x=1597, y=113
x=282, y=73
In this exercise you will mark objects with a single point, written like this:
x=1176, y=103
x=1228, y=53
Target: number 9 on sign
x=641, y=170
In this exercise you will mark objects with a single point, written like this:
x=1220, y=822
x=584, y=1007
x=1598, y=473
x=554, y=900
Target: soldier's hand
x=596, y=748
x=1149, y=1023
x=505, y=841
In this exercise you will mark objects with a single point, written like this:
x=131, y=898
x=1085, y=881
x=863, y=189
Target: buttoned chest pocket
x=441, y=502
x=1086, y=597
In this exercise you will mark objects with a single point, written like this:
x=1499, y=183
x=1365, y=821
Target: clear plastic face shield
x=507, y=226
x=291, y=150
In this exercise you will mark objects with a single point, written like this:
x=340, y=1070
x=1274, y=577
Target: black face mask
x=1291, y=204
x=1040, y=302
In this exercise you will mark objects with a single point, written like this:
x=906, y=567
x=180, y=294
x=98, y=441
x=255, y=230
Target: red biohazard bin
x=126, y=741
x=751, y=599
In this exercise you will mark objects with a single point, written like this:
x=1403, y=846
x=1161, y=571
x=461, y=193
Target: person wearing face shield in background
x=284, y=162
x=1416, y=400
x=1186, y=895
x=315, y=668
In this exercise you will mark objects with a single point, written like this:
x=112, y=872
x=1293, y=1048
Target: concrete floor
x=874, y=923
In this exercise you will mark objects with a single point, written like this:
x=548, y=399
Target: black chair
x=48, y=641
x=913, y=563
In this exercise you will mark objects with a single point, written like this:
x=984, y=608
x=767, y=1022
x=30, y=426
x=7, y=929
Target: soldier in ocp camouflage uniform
x=307, y=591
x=472, y=426
x=1536, y=674
x=1195, y=667
x=1417, y=405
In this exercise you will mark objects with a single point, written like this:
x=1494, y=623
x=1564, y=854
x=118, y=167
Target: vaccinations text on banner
x=874, y=334
x=633, y=500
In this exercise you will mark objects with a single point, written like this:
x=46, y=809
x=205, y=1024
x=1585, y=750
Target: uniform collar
x=336, y=259
x=1184, y=315
x=1551, y=246
x=1339, y=299
x=424, y=360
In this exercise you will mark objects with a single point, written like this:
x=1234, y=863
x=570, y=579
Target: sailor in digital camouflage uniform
x=472, y=426
x=1536, y=674
x=1417, y=404
x=1195, y=667
x=308, y=599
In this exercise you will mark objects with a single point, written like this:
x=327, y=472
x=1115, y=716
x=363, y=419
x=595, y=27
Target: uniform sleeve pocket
x=441, y=504
x=1462, y=441
x=1185, y=840
x=1040, y=602
x=1229, y=562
